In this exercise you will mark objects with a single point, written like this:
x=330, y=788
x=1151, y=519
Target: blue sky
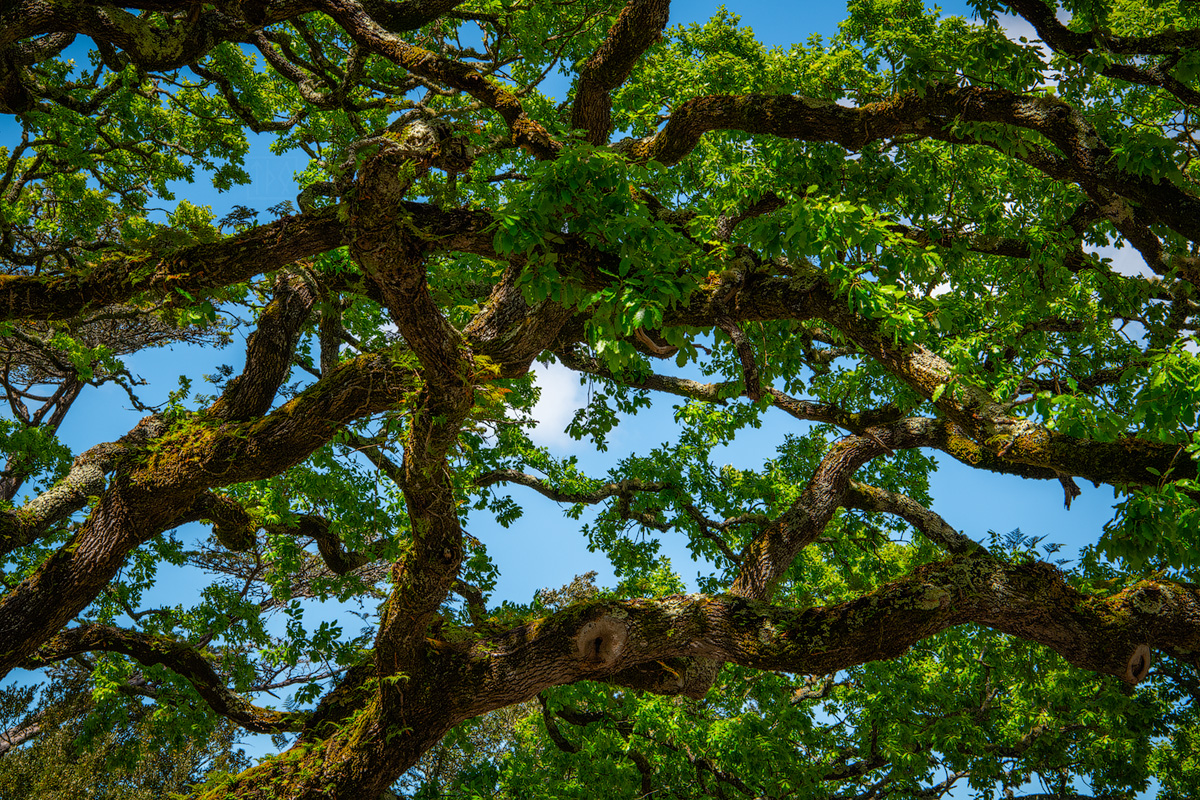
x=974, y=502
x=545, y=549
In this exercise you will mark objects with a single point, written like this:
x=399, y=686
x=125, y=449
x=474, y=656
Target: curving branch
x=720, y=393
x=588, y=497
x=231, y=525
x=510, y=332
x=181, y=659
x=741, y=343
x=235, y=529
x=638, y=26
x=769, y=555
x=85, y=480
x=148, y=45
x=1080, y=153
x=394, y=258
x=398, y=16
x=369, y=34
x=176, y=39
x=623, y=491
x=976, y=430
x=929, y=523
x=607, y=640
x=146, y=496
x=333, y=552
x=991, y=429
x=268, y=351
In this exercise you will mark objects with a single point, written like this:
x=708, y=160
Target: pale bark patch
x=602, y=641
x=1139, y=664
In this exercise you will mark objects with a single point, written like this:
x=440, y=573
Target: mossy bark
x=384, y=725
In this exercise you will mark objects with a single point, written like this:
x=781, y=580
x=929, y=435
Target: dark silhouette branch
x=178, y=657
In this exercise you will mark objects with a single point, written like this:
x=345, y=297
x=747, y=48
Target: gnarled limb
x=932, y=113
x=510, y=332
x=161, y=47
x=86, y=479
x=1032, y=601
x=638, y=26
x=525, y=132
x=990, y=426
x=394, y=258
x=1078, y=44
x=147, y=497
x=268, y=351
x=335, y=555
x=768, y=556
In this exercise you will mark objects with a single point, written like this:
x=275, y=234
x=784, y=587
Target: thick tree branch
x=192, y=269
x=741, y=343
x=186, y=461
x=15, y=737
x=1113, y=635
x=235, y=529
x=990, y=426
x=979, y=431
x=175, y=42
x=395, y=260
x=150, y=46
x=510, y=332
x=231, y=525
x=769, y=555
x=333, y=552
x=268, y=351
x=525, y=132
x=933, y=113
x=86, y=479
x=1077, y=44
x=638, y=26
x=408, y=15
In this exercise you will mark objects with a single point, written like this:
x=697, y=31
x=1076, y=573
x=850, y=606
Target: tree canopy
x=887, y=238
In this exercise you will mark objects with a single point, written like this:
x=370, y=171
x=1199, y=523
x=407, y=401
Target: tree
x=887, y=236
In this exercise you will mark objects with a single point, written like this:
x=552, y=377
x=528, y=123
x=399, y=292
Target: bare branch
x=178, y=657
x=623, y=489
x=936, y=529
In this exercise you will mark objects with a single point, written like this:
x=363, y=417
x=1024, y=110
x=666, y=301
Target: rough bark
x=414, y=685
x=162, y=482
x=638, y=26
x=610, y=640
x=192, y=269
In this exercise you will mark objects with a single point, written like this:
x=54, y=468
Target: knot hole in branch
x=1139, y=664
x=600, y=642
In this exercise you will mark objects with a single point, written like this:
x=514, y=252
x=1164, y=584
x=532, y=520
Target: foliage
x=124, y=749
x=879, y=249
